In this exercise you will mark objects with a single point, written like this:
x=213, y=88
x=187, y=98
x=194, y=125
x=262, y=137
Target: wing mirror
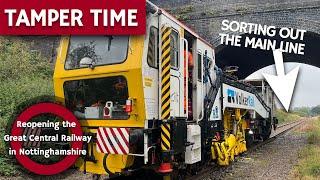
x=87, y=62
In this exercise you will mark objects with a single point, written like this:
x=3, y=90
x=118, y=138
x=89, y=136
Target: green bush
x=17, y=91
x=7, y=168
x=24, y=74
x=17, y=61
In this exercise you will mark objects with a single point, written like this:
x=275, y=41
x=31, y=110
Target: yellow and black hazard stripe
x=165, y=87
x=165, y=137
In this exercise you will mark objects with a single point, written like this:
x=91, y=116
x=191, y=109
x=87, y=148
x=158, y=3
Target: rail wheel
x=266, y=131
x=249, y=138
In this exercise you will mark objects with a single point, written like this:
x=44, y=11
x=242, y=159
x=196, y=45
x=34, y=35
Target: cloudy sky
x=307, y=89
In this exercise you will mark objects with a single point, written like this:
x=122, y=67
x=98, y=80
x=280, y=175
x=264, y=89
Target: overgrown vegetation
x=24, y=74
x=315, y=111
x=309, y=159
x=303, y=111
x=297, y=113
x=284, y=116
x=307, y=111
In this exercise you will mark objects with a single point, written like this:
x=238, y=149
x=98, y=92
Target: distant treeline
x=296, y=113
x=307, y=111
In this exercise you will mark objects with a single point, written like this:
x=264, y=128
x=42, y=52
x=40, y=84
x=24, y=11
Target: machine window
x=96, y=50
x=199, y=66
x=174, y=49
x=152, y=56
x=91, y=98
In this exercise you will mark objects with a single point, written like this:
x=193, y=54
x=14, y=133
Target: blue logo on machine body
x=239, y=98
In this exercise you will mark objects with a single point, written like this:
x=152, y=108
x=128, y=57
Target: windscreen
x=101, y=50
x=88, y=98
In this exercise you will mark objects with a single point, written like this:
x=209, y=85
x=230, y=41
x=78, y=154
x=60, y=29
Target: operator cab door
x=176, y=72
x=203, y=54
x=198, y=92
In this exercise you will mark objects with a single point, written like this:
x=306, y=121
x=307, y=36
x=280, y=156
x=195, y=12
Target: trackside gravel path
x=274, y=160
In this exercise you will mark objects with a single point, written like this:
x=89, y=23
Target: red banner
x=72, y=17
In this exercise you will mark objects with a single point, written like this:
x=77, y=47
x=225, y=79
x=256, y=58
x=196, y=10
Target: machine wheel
x=266, y=131
x=249, y=139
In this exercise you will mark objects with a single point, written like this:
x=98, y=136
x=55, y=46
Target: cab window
x=199, y=58
x=87, y=98
x=96, y=50
x=152, y=57
x=174, y=49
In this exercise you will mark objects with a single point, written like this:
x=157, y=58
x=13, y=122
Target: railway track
x=281, y=130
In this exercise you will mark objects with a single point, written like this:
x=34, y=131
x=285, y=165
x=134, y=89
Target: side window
x=199, y=57
x=152, y=57
x=174, y=49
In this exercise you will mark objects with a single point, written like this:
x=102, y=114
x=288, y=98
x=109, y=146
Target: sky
x=307, y=89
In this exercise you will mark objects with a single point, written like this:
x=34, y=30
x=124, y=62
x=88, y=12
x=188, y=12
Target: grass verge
x=309, y=159
x=285, y=117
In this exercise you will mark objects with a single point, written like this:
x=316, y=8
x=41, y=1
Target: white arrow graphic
x=281, y=84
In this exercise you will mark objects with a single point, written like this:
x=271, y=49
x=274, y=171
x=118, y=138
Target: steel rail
x=274, y=137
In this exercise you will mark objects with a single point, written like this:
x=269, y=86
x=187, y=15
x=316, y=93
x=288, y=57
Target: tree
x=303, y=111
x=315, y=110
